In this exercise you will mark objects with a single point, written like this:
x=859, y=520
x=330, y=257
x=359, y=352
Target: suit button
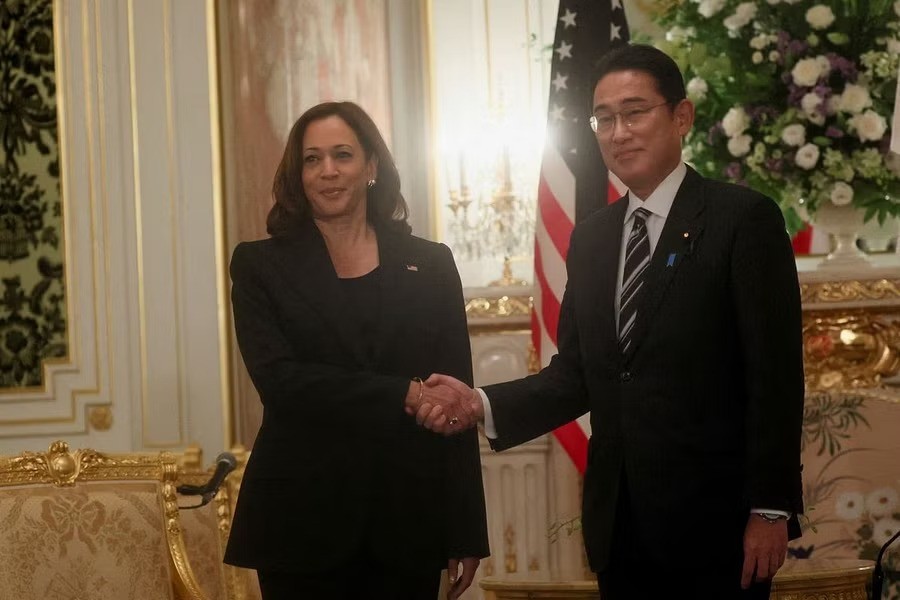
x=625, y=376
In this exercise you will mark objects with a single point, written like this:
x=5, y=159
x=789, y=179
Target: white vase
x=844, y=224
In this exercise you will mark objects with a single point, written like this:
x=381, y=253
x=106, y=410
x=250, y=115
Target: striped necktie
x=637, y=257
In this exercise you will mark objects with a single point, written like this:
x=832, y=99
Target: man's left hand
x=765, y=548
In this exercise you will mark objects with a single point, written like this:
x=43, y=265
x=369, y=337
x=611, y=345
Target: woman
x=339, y=315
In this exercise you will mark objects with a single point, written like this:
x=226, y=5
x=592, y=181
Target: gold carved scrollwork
x=848, y=351
x=511, y=562
x=849, y=291
x=101, y=418
x=60, y=466
x=504, y=306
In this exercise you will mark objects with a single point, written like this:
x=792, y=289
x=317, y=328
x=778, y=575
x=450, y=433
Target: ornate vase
x=845, y=226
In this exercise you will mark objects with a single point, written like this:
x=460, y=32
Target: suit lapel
x=603, y=250
x=391, y=284
x=307, y=265
x=679, y=235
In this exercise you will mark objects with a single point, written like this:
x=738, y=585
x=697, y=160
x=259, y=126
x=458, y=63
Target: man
x=680, y=332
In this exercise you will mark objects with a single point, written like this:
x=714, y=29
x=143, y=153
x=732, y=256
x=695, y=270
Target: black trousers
x=711, y=575
x=355, y=579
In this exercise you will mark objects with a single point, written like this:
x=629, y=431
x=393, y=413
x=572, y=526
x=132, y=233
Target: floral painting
x=851, y=481
x=32, y=294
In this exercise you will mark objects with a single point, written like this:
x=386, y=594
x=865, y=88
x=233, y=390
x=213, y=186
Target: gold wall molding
x=849, y=291
x=100, y=418
x=849, y=351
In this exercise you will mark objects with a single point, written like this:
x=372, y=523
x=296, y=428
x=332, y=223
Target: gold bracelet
x=421, y=388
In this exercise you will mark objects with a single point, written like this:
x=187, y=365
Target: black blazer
x=337, y=463
x=704, y=413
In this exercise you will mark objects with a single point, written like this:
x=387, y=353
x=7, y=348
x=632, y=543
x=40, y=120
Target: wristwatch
x=771, y=518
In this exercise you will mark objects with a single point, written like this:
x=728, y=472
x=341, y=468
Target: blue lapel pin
x=671, y=260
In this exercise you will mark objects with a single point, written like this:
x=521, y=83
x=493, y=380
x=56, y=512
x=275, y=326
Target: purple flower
x=775, y=164
x=715, y=132
x=846, y=67
x=733, y=171
x=834, y=132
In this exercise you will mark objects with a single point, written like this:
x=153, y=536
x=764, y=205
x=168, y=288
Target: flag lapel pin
x=412, y=268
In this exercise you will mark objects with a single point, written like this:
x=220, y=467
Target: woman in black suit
x=339, y=314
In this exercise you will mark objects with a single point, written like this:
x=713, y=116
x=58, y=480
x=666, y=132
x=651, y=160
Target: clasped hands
x=444, y=404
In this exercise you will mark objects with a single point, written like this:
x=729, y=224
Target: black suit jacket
x=704, y=413
x=337, y=463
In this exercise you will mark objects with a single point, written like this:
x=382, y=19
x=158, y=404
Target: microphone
x=225, y=464
x=878, y=573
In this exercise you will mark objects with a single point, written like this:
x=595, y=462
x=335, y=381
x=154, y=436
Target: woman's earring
x=371, y=183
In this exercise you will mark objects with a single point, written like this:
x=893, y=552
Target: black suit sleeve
x=766, y=296
x=356, y=398
x=467, y=522
x=529, y=407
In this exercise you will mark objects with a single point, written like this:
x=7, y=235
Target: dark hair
x=650, y=60
x=385, y=205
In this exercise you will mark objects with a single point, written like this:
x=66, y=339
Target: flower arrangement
x=794, y=98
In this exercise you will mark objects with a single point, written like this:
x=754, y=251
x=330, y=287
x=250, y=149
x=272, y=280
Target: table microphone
x=225, y=464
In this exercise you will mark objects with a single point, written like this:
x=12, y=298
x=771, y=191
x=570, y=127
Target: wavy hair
x=385, y=206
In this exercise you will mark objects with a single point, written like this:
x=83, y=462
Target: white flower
x=709, y=8
x=807, y=156
x=819, y=16
x=897, y=7
x=757, y=57
x=816, y=118
x=736, y=121
x=882, y=502
x=831, y=106
x=807, y=72
x=849, y=505
x=697, y=88
x=774, y=55
x=739, y=145
x=773, y=2
x=743, y=14
x=884, y=529
x=680, y=34
x=841, y=194
x=794, y=135
x=893, y=46
x=854, y=99
x=810, y=103
x=758, y=42
x=869, y=126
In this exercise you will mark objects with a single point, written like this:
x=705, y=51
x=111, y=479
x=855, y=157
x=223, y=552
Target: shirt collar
x=660, y=200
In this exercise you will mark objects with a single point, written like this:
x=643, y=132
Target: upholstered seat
x=85, y=525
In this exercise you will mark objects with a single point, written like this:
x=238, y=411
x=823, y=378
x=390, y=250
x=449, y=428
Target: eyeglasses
x=631, y=117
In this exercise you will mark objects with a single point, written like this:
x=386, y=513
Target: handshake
x=443, y=404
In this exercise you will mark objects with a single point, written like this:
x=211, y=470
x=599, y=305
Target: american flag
x=573, y=181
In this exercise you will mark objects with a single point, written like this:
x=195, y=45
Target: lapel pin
x=671, y=260
x=412, y=268
x=686, y=234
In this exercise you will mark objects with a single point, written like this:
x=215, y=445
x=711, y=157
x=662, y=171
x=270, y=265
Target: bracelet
x=771, y=518
x=421, y=389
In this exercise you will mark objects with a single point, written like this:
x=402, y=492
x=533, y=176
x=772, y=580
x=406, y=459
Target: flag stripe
x=572, y=181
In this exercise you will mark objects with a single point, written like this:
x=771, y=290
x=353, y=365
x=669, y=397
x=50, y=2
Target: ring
x=453, y=421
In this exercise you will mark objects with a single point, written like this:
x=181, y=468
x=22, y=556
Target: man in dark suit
x=680, y=332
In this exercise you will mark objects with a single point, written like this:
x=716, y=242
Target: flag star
x=617, y=4
x=564, y=50
x=557, y=112
x=559, y=82
x=614, y=32
x=568, y=19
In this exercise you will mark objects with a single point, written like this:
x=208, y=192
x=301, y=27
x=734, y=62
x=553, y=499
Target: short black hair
x=647, y=59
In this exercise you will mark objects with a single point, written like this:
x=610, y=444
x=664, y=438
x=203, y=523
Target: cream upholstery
x=85, y=525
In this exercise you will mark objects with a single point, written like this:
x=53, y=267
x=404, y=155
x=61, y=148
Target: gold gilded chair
x=207, y=528
x=78, y=525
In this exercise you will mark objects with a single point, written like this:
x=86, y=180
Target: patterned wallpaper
x=32, y=293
